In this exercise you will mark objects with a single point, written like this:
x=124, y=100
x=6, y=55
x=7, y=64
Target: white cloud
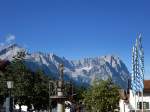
x=10, y=38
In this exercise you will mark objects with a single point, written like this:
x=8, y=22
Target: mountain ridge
x=82, y=71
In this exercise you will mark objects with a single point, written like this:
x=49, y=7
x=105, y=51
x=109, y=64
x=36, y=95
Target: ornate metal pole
x=59, y=96
x=60, y=103
x=49, y=96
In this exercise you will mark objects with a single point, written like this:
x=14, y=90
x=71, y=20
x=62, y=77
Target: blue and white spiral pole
x=137, y=78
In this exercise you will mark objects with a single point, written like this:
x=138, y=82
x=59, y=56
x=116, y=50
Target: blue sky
x=77, y=28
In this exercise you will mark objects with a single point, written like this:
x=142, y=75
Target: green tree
x=3, y=84
x=40, y=90
x=20, y=75
x=79, y=93
x=103, y=96
x=29, y=87
x=2, y=88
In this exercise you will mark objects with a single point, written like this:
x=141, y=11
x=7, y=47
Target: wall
x=125, y=107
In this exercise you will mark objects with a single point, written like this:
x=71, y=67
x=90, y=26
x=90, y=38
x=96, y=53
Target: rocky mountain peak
x=8, y=51
x=82, y=71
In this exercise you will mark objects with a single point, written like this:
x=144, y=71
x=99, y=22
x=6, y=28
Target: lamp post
x=10, y=86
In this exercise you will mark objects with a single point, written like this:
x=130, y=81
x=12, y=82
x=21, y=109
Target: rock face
x=82, y=71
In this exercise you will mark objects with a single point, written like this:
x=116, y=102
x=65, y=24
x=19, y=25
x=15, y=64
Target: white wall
x=125, y=107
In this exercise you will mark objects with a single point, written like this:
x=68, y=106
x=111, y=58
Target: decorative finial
x=61, y=69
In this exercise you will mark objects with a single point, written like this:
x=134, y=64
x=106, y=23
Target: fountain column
x=60, y=102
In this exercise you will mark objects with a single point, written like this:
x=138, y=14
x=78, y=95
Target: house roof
x=147, y=85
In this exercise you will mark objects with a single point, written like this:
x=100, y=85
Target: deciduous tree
x=102, y=96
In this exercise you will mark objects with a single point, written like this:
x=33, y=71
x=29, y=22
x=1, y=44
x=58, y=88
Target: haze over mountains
x=83, y=71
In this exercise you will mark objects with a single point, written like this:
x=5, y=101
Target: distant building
x=130, y=102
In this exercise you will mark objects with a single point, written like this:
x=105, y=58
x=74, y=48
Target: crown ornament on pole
x=61, y=70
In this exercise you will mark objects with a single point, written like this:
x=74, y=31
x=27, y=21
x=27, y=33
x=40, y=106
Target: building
x=130, y=102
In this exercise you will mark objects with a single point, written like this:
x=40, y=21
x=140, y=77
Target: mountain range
x=82, y=72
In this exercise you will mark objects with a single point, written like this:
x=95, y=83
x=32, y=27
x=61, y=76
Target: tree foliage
x=33, y=88
x=40, y=90
x=103, y=96
x=2, y=89
x=29, y=87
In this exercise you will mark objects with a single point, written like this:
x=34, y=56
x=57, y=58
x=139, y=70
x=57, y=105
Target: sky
x=77, y=28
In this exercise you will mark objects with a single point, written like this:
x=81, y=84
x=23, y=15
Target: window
x=145, y=105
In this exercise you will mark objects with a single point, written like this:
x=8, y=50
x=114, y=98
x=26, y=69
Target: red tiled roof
x=146, y=85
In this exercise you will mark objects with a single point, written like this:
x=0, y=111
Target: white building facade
x=132, y=103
